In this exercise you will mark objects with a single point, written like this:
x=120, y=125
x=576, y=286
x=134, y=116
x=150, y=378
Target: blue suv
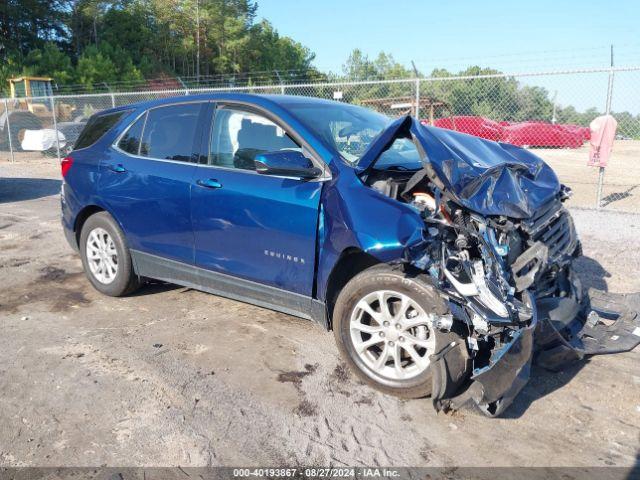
x=434, y=256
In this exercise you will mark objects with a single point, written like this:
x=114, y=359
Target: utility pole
x=607, y=112
x=416, y=110
x=610, y=86
x=198, y=42
x=612, y=54
x=280, y=81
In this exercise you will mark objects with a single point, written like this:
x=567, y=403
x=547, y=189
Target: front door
x=146, y=180
x=249, y=225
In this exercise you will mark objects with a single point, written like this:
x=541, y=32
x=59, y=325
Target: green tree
x=359, y=67
x=132, y=30
x=49, y=61
x=104, y=65
x=533, y=104
x=493, y=97
x=268, y=50
x=28, y=24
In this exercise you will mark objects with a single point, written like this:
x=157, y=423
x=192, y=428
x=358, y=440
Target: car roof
x=282, y=101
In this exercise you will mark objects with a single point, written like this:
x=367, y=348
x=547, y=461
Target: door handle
x=117, y=168
x=209, y=183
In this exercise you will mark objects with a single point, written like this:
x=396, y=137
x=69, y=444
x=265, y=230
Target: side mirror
x=286, y=163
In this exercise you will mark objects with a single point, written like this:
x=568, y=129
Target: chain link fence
x=548, y=113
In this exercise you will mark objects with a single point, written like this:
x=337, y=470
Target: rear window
x=169, y=132
x=96, y=127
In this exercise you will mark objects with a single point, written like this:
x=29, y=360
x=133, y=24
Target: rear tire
x=105, y=256
x=383, y=311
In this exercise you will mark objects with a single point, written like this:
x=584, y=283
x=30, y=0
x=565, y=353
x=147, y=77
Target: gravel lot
x=621, y=189
x=173, y=376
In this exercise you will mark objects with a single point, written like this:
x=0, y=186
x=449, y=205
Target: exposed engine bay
x=512, y=293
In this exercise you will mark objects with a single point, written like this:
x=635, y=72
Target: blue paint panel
x=358, y=217
x=257, y=227
x=163, y=210
x=151, y=200
x=79, y=187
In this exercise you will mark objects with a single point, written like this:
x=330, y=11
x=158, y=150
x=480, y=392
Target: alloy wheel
x=392, y=334
x=102, y=256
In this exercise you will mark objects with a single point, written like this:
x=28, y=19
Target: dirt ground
x=173, y=376
x=621, y=187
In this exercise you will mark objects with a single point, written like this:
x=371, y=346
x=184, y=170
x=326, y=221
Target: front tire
x=105, y=256
x=383, y=325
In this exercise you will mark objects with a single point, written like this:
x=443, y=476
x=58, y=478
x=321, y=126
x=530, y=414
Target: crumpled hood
x=486, y=177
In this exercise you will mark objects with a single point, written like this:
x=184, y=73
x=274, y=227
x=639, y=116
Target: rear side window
x=169, y=132
x=130, y=141
x=96, y=127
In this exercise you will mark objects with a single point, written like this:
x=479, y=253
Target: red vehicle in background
x=477, y=126
x=584, y=132
x=542, y=134
x=523, y=134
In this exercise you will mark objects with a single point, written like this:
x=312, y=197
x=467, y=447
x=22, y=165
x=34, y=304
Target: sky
x=509, y=35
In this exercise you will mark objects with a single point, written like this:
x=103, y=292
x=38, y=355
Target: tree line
x=498, y=98
x=95, y=43
x=91, y=42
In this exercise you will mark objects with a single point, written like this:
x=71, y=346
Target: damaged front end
x=494, y=272
x=499, y=244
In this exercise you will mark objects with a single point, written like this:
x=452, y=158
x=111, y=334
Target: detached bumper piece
x=563, y=332
x=497, y=385
x=567, y=332
x=493, y=387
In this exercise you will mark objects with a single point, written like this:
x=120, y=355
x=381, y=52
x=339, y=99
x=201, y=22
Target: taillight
x=65, y=165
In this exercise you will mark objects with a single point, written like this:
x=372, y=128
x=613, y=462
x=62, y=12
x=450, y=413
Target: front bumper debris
x=604, y=323
x=564, y=330
x=496, y=385
x=493, y=387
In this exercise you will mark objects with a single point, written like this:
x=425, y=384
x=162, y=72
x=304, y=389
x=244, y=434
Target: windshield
x=347, y=128
x=40, y=89
x=402, y=154
x=350, y=129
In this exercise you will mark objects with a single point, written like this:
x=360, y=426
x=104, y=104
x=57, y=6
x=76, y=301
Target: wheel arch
x=82, y=217
x=351, y=261
x=84, y=214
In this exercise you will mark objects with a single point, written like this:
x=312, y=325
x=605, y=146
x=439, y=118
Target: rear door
x=253, y=226
x=146, y=180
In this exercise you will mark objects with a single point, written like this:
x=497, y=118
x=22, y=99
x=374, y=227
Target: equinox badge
x=284, y=256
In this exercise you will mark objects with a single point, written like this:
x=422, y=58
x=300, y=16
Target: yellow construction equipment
x=30, y=108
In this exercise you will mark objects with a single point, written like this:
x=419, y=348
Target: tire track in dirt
x=341, y=430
